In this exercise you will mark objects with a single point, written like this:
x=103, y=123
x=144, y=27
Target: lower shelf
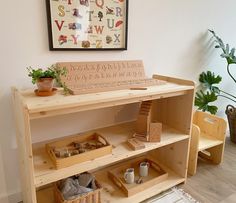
x=117, y=136
x=111, y=193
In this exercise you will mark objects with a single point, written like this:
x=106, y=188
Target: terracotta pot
x=231, y=115
x=45, y=84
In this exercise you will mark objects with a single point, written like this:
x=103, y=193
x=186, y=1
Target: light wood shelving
x=117, y=135
x=172, y=104
x=112, y=193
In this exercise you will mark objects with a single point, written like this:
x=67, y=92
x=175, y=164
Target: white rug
x=173, y=195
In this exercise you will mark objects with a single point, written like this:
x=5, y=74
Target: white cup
x=143, y=169
x=129, y=176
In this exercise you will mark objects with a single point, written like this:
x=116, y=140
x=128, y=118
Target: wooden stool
x=207, y=139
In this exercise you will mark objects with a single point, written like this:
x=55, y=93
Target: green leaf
x=232, y=52
x=202, y=101
x=227, y=49
x=208, y=80
x=227, y=53
x=52, y=72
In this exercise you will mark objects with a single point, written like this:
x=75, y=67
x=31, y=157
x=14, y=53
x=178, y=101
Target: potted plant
x=210, y=90
x=44, y=79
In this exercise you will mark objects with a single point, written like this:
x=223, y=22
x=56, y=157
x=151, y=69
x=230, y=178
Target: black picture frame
x=72, y=24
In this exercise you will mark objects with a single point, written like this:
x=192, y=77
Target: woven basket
x=231, y=115
x=90, y=197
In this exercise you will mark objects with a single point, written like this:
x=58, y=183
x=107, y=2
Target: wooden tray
x=79, y=158
x=156, y=175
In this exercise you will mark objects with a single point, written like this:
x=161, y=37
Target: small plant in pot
x=210, y=90
x=44, y=79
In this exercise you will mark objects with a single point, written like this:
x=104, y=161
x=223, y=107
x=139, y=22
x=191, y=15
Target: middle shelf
x=117, y=135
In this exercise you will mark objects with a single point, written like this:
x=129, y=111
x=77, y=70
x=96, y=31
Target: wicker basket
x=231, y=115
x=90, y=197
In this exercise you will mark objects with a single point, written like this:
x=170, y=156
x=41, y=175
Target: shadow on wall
x=197, y=56
x=9, y=174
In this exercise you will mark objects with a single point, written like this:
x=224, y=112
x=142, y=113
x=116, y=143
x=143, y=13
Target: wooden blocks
x=142, y=124
x=155, y=132
x=146, y=130
x=86, y=155
x=135, y=144
x=143, y=120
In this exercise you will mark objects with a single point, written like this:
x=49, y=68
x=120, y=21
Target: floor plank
x=214, y=183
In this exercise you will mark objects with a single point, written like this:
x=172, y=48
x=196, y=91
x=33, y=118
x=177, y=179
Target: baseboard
x=11, y=198
x=15, y=197
x=4, y=199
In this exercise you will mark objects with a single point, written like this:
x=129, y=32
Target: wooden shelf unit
x=173, y=104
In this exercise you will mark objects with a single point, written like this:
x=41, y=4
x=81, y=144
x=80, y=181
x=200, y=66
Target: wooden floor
x=215, y=183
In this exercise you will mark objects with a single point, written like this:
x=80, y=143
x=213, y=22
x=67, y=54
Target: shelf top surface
x=36, y=104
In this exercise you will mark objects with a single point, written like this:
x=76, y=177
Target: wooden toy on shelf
x=103, y=76
x=77, y=149
x=135, y=144
x=207, y=139
x=146, y=130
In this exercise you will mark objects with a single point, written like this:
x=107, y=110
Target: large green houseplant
x=210, y=90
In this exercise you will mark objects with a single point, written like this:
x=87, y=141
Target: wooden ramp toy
x=146, y=129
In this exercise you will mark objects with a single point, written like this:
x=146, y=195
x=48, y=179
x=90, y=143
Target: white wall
x=169, y=36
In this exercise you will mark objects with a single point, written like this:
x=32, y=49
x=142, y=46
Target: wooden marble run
x=146, y=129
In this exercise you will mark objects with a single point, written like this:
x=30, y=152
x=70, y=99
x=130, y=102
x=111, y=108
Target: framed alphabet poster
x=87, y=24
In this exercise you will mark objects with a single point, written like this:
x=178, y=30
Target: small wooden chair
x=207, y=139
